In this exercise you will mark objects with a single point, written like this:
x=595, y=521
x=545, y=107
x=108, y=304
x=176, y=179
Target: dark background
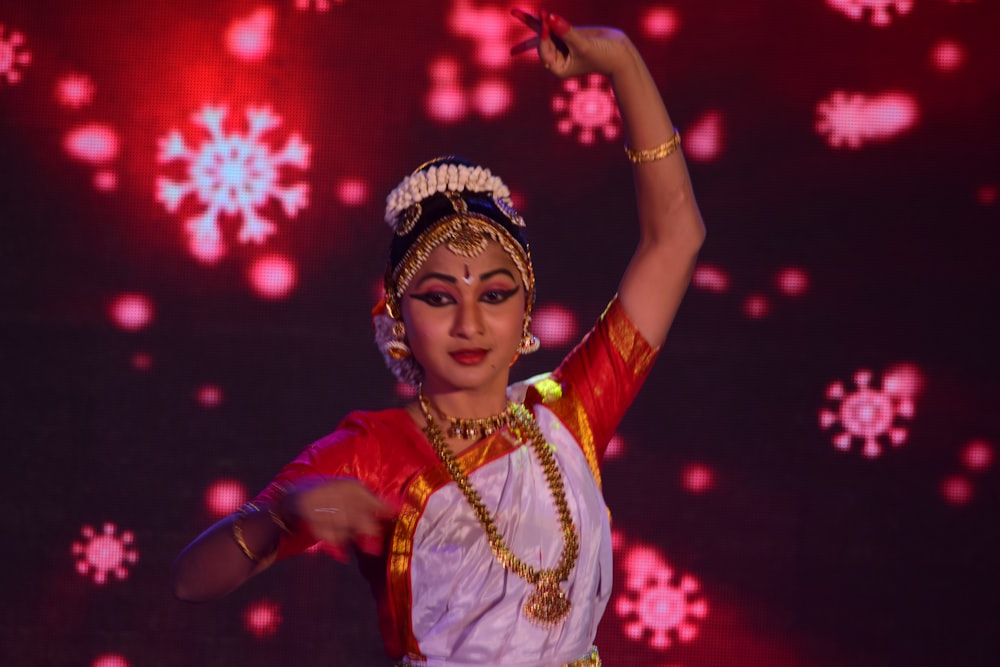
x=803, y=554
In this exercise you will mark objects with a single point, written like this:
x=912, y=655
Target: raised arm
x=671, y=230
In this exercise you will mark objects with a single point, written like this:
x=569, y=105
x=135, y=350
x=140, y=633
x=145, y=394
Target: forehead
x=443, y=260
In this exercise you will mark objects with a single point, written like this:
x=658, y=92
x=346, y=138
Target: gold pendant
x=548, y=605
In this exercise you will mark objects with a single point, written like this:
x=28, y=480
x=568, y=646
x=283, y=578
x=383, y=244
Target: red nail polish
x=545, y=25
x=560, y=26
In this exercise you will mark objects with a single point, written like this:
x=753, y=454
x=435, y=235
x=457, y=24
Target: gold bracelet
x=241, y=543
x=253, y=508
x=663, y=150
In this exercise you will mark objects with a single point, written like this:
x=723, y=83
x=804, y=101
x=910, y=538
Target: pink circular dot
x=273, y=277
x=352, y=192
x=660, y=22
x=209, y=395
x=947, y=55
x=131, y=311
x=446, y=104
x=792, y=281
x=110, y=660
x=698, y=478
x=986, y=195
x=711, y=278
x=956, y=490
x=142, y=361
x=224, y=497
x=555, y=325
x=977, y=455
x=492, y=98
x=756, y=306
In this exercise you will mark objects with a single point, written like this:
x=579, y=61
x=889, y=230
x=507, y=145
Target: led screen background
x=808, y=478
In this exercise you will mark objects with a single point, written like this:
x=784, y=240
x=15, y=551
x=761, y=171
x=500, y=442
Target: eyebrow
x=454, y=281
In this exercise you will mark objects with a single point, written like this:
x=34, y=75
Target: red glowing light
x=491, y=98
x=947, y=55
x=698, y=478
x=321, y=5
x=977, y=455
x=660, y=22
x=75, y=91
x=903, y=380
x=106, y=181
x=444, y=70
x=262, y=618
x=756, y=306
x=555, y=325
x=659, y=606
x=489, y=27
x=792, y=281
x=110, y=660
x=710, y=278
x=209, y=395
x=590, y=109
x=273, y=277
x=95, y=143
x=881, y=11
x=249, y=38
x=352, y=192
x=867, y=415
x=225, y=496
x=142, y=361
x=956, y=490
x=849, y=120
x=703, y=140
x=131, y=311
x=99, y=555
x=987, y=195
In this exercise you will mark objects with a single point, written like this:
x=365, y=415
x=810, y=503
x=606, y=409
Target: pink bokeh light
x=987, y=194
x=880, y=12
x=142, y=361
x=249, y=38
x=587, y=108
x=977, y=455
x=105, y=180
x=273, y=277
x=756, y=306
x=704, y=138
x=658, y=606
x=491, y=29
x=94, y=143
x=209, y=396
x=110, y=660
x=697, y=478
x=711, y=278
x=131, y=311
x=659, y=22
x=446, y=103
x=792, y=281
x=616, y=448
x=13, y=56
x=106, y=553
x=851, y=120
x=407, y=392
x=492, y=98
x=232, y=174
x=866, y=414
x=947, y=55
x=904, y=380
x=262, y=619
x=75, y=90
x=555, y=325
x=352, y=192
x=956, y=490
x=319, y=5
x=225, y=496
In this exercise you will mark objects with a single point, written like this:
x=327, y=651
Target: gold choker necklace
x=548, y=605
x=472, y=429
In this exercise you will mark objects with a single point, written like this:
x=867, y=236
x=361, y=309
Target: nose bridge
x=468, y=317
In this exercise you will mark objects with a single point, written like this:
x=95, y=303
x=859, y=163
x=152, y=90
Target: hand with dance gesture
x=338, y=511
x=569, y=51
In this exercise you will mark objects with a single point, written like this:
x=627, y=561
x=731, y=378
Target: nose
x=468, y=319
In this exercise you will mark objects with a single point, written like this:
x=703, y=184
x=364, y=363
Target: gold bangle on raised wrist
x=658, y=153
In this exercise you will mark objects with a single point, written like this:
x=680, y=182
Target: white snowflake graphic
x=99, y=555
x=590, y=109
x=879, y=9
x=866, y=415
x=849, y=120
x=12, y=55
x=654, y=605
x=232, y=174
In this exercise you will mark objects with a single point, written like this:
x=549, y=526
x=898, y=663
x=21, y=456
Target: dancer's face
x=464, y=318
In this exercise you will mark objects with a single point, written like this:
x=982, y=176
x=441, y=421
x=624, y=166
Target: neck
x=468, y=403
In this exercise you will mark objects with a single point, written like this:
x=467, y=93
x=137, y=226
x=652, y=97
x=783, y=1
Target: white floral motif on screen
x=590, y=109
x=655, y=607
x=12, y=55
x=869, y=416
x=879, y=9
x=233, y=174
x=100, y=555
x=850, y=120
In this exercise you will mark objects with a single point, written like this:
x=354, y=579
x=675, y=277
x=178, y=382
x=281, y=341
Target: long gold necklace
x=548, y=605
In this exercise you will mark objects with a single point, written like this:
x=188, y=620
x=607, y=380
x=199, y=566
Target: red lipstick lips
x=468, y=357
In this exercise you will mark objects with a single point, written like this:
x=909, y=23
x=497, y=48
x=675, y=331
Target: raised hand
x=569, y=51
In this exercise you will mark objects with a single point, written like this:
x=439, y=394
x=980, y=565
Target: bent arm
x=671, y=230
